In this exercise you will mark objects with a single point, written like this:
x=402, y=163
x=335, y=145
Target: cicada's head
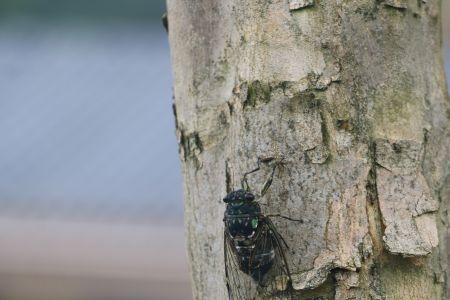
x=239, y=197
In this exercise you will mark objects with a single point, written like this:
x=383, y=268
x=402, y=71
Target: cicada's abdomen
x=256, y=262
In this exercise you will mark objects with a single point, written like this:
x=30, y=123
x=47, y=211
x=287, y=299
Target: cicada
x=255, y=252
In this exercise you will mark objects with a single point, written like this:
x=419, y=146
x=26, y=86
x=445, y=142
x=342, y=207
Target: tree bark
x=352, y=94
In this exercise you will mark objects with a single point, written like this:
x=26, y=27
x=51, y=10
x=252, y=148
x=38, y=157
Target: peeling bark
x=406, y=201
x=298, y=4
x=352, y=95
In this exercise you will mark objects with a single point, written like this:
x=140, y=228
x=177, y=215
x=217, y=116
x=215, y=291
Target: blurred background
x=90, y=187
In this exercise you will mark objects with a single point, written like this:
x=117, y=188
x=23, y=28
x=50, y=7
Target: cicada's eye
x=255, y=222
x=249, y=197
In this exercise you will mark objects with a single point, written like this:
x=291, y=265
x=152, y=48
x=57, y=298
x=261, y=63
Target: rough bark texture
x=352, y=95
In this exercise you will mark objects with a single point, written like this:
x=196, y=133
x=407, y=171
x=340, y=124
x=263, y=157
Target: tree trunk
x=352, y=95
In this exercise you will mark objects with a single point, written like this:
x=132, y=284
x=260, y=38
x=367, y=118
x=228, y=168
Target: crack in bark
x=371, y=185
x=228, y=181
x=396, y=4
x=190, y=147
x=259, y=92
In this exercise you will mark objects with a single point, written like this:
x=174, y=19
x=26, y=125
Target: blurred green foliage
x=129, y=10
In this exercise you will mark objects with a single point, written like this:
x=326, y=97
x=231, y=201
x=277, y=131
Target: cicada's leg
x=269, y=180
x=284, y=217
x=244, y=182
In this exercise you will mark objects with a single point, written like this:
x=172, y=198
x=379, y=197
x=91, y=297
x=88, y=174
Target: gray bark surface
x=352, y=95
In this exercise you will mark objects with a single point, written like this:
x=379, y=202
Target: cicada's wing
x=276, y=283
x=240, y=285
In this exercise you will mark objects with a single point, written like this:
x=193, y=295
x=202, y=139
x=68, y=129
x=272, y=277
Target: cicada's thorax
x=242, y=220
